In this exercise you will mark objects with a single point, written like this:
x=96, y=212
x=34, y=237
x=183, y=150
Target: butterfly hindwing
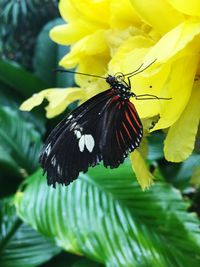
x=124, y=132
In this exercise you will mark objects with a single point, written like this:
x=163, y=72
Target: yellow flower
x=108, y=36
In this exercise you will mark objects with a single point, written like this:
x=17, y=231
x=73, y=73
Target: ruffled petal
x=180, y=139
x=98, y=64
x=125, y=46
x=123, y=14
x=88, y=10
x=89, y=45
x=179, y=87
x=58, y=99
x=70, y=33
x=158, y=14
x=68, y=10
x=143, y=175
x=174, y=41
x=189, y=7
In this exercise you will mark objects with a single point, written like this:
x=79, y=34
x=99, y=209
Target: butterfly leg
x=149, y=96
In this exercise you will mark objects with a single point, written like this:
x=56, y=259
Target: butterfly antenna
x=139, y=70
x=76, y=72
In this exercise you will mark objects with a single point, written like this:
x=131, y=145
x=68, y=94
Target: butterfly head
x=111, y=80
x=118, y=83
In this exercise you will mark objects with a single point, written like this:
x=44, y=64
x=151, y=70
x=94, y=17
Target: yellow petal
x=70, y=33
x=180, y=139
x=115, y=38
x=144, y=177
x=174, y=41
x=98, y=64
x=125, y=46
x=89, y=45
x=68, y=10
x=123, y=14
x=94, y=88
x=189, y=7
x=35, y=100
x=58, y=99
x=179, y=87
x=159, y=14
x=88, y=10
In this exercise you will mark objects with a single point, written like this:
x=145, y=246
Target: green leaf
x=15, y=13
x=7, y=9
x=19, y=139
x=47, y=56
x=8, y=97
x=21, y=80
x=10, y=175
x=19, y=244
x=105, y=216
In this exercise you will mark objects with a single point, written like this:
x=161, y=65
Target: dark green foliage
x=17, y=135
x=19, y=28
x=20, y=245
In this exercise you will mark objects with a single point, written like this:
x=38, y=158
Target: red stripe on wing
x=126, y=129
x=134, y=114
x=130, y=122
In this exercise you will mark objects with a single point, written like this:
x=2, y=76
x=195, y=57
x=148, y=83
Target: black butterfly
x=104, y=128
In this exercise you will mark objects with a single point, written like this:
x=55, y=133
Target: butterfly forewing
x=73, y=145
x=104, y=128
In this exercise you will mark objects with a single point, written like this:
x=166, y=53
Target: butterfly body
x=104, y=128
x=118, y=84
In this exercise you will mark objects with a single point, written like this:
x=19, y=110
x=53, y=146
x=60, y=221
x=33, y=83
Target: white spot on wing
x=81, y=143
x=73, y=125
x=86, y=141
x=89, y=142
x=53, y=161
x=77, y=133
x=48, y=149
x=59, y=170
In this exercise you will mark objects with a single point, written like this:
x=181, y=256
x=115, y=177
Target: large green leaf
x=19, y=140
x=9, y=97
x=20, y=245
x=105, y=216
x=21, y=80
x=47, y=56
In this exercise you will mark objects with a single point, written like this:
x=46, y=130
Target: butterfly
x=104, y=128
